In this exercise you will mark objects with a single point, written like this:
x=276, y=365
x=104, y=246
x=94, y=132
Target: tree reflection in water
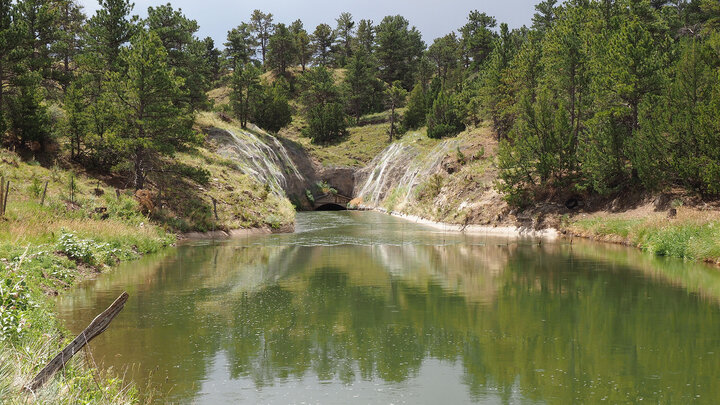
x=556, y=323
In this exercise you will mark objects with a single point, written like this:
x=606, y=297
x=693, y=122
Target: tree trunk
x=139, y=173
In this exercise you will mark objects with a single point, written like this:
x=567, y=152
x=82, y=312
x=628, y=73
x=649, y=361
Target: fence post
x=2, y=194
x=42, y=201
x=7, y=191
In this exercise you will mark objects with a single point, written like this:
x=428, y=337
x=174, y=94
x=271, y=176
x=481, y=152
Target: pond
x=362, y=307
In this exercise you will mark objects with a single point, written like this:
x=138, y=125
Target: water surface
x=360, y=307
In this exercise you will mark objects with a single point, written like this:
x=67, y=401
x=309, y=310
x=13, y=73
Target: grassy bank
x=356, y=149
x=692, y=235
x=81, y=229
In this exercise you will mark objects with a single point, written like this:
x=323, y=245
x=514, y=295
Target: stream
x=362, y=307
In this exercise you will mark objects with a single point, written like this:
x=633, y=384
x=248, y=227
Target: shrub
x=444, y=119
x=14, y=301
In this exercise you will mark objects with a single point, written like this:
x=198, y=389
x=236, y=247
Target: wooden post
x=2, y=194
x=72, y=189
x=42, y=201
x=7, y=191
x=215, y=208
x=96, y=327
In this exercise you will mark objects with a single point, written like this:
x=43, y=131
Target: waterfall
x=401, y=164
x=262, y=157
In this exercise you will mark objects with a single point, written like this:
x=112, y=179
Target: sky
x=434, y=18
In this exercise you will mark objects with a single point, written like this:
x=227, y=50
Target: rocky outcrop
x=340, y=178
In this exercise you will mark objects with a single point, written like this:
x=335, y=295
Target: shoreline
x=507, y=231
x=233, y=233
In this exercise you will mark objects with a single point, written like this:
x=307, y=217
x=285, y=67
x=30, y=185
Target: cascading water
x=401, y=164
x=262, y=157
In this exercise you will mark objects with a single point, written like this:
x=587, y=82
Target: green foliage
x=155, y=121
x=678, y=142
x=186, y=54
x=361, y=86
x=445, y=118
x=477, y=39
x=282, y=49
x=74, y=248
x=262, y=27
x=445, y=54
x=271, y=108
x=325, y=188
x=322, y=40
x=399, y=49
x=28, y=116
x=197, y=174
x=343, y=47
x=430, y=188
x=109, y=29
x=14, y=302
x=324, y=108
x=396, y=97
x=301, y=39
x=245, y=89
x=240, y=45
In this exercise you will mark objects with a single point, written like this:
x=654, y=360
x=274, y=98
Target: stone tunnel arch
x=331, y=202
x=330, y=207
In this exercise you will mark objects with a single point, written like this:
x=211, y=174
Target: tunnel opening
x=331, y=207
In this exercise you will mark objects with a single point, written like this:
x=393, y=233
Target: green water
x=360, y=307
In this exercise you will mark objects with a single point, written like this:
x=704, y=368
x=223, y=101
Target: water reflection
x=360, y=307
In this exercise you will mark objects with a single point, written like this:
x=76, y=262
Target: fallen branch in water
x=96, y=327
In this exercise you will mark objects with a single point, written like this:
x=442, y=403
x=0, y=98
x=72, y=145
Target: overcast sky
x=434, y=18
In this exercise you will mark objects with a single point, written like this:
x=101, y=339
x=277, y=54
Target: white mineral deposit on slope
x=379, y=181
x=265, y=160
x=401, y=165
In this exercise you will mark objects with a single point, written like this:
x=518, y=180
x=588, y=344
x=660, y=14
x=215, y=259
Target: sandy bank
x=509, y=231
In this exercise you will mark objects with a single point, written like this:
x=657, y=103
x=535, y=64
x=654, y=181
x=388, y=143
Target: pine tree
x=361, y=85
x=399, y=49
x=322, y=40
x=109, y=29
x=477, y=39
x=68, y=44
x=679, y=142
x=154, y=121
x=11, y=54
x=417, y=108
x=444, y=118
x=76, y=119
x=344, y=30
x=302, y=43
x=625, y=70
x=27, y=115
x=245, y=88
x=262, y=26
x=282, y=51
x=185, y=51
x=544, y=16
x=324, y=108
x=240, y=45
x=41, y=20
x=396, y=96
x=271, y=109
x=445, y=52
x=365, y=37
